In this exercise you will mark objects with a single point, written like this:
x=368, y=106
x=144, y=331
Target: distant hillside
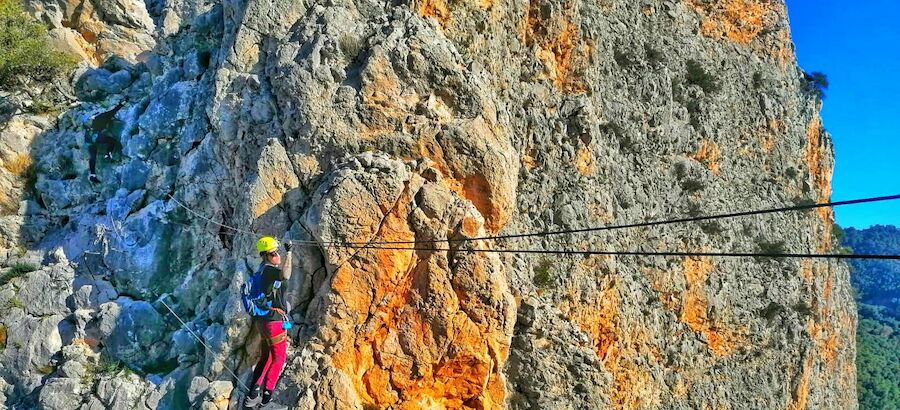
x=878, y=333
x=878, y=282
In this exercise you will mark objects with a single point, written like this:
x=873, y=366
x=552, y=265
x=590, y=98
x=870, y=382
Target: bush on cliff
x=877, y=359
x=25, y=52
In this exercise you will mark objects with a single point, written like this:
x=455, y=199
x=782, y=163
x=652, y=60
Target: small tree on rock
x=817, y=82
x=25, y=52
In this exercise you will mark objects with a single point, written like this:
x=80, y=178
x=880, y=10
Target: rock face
x=406, y=128
x=97, y=29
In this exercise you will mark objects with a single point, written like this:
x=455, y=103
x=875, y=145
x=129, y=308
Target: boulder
x=62, y=394
x=90, y=293
x=122, y=392
x=137, y=336
x=198, y=388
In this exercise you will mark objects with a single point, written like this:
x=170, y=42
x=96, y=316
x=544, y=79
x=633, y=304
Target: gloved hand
x=288, y=245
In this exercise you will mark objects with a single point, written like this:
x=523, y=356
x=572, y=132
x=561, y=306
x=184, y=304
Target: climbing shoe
x=93, y=178
x=253, y=398
x=266, y=397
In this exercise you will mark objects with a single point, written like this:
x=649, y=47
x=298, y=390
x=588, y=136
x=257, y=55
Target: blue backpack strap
x=261, y=301
x=253, y=297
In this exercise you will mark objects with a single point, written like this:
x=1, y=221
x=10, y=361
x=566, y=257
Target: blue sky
x=857, y=45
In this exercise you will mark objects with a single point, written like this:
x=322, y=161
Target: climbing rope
x=209, y=349
x=380, y=245
x=654, y=223
x=417, y=245
x=640, y=253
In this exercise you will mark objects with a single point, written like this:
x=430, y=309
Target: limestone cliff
x=426, y=120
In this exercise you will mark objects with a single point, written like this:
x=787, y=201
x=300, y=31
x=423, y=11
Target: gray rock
x=195, y=64
x=78, y=352
x=73, y=370
x=93, y=84
x=109, y=314
x=163, y=115
x=58, y=195
x=171, y=393
x=90, y=294
x=154, y=398
x=61, y=394
x=93, y=404
x=125, y=13
x=215, y=338
x=136, y=336
x=199, y=386
x=121, y=392
x=183, y=343
x=355, y=121
x=219, y=391
x=107, y=28
x=134, y=175
x=124, y=203
x=117, y=82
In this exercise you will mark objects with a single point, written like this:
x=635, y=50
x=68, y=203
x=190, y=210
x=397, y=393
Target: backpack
x=253, y=297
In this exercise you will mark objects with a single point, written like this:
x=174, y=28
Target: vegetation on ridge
x=25, y=52
x=877, y=284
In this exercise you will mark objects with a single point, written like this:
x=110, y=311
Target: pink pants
x=274, y=354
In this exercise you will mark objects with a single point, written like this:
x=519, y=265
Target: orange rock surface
x=422, y=332
x=561, y=48
x=709, y=155
x=740, y=21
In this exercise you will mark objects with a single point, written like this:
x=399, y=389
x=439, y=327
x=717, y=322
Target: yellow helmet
x=266, y=244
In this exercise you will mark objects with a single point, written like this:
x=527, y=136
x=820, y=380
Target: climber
x=270, y=317
x=101, y=134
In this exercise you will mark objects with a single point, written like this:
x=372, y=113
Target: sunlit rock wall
x=431, y=121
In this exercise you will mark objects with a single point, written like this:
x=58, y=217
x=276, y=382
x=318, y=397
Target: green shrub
x=25, y=52
x=613, y=128
x=44, y=105
x=877, y=359
x=804, y=201
x=16, y=271
x=542, y=278
x=791, y=172
x=694, y=209
x=757, y=80
x=694, y=111
x=817, y=83
x=350, y=46
x=769, y=247
x=677, y=90
x=680, y=170
x=105, y=366
x=623, y=58
x=14, y=302
x=803, y=308
x=654, y=56
x=711, y=228
x=771, y=311
x=837, y=233
x=698, y=76
x=692, y=185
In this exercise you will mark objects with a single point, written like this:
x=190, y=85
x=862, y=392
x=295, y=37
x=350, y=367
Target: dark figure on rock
x=102, y=135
